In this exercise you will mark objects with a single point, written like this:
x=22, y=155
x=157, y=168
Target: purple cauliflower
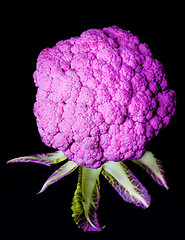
x=101, y=97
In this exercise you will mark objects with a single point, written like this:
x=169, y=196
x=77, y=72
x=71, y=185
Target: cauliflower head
x=101, y=97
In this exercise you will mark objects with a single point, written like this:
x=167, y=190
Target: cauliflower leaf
x=153, y=167
x=126, y=184
x=46, y=158
x=63, y=171
x=86, y=199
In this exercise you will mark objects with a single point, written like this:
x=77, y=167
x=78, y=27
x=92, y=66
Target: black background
x=25, y=215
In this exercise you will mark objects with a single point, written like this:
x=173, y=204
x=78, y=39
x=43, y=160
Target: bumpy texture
x=101, y=97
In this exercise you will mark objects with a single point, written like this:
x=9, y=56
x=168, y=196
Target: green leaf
x=46, y=158
x=126, y=184
x=63, y=171
x=153, y=167
x=86, y=199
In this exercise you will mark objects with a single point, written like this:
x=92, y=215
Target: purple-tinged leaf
x=63, y=171
x=46, y=158
x=153, y=167
x=126, y=184
x=86, y=199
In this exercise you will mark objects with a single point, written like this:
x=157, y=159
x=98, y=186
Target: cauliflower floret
x=101, y=97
